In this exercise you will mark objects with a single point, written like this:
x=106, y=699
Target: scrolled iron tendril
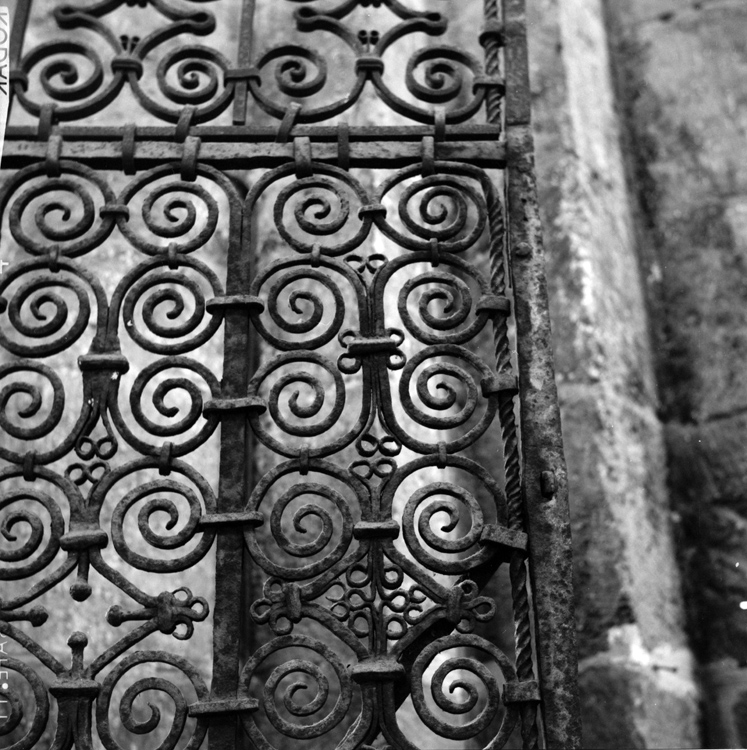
x=164, y=387
x=161, y=684
x=35, y=400
x=320, y=544
x=323, y=212
x=196, y=73
x=24, y=515
x=57, y=196
x=169, y=292
x=17, y=709
x=443, y=498
x=159, y=498
x=478, y=669
x=297, y=730
x=304, y=301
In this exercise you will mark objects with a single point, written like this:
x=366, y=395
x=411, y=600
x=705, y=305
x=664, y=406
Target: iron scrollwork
x=355, y=529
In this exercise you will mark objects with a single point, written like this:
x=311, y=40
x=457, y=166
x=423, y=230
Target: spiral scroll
x=158, y=496
x=33, y=395
x=15, y=710
x=185, y=213
x=322, y=544
x=460, y=394
x=26, y=514
x=64, y=210
x=166, y=297
x=178, y=723
x=302, y=668
x=322, y=209
x=299, y=298
x=447, y=308
x=477, y=669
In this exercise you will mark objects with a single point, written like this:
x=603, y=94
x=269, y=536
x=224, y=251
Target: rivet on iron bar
x=302, y=156
x=189, y=158
x=548, y=484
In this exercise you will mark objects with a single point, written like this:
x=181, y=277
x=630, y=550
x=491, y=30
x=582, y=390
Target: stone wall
x=682, y=69
x=636, y=672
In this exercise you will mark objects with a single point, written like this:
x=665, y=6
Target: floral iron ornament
x=389, y=324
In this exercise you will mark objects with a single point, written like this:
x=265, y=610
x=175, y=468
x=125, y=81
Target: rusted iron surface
x=347, y=579
x=544, y=471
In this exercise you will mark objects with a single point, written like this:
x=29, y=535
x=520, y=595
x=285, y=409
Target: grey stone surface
x=629, y=606
x=623, y=707
x=682, y=89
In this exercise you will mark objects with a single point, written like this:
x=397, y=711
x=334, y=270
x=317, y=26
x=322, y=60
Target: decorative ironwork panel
x=276, y=384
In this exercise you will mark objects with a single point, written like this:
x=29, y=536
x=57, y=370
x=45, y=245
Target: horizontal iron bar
x=242, y=134
x=251, y=155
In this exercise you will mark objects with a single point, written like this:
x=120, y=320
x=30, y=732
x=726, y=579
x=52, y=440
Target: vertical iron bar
x=18, y=29
x=226, y=733
x=251, y=580
x=18, y=25
x=244, y=60
x=517, y=567
x=231, y=622
x=544, y=470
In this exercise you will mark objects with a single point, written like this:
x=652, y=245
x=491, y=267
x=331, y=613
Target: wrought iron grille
x=180, y=188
